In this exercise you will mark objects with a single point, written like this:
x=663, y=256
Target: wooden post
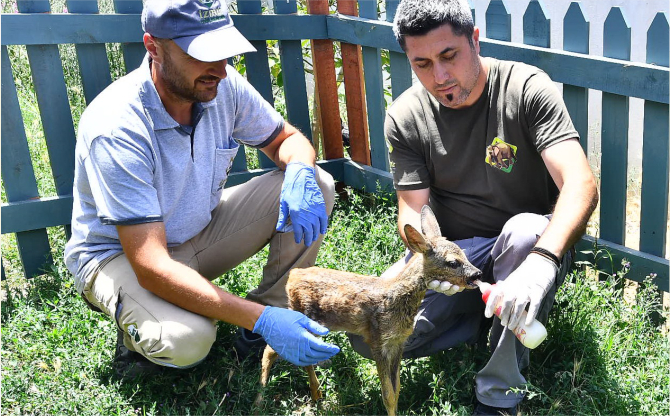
x=536, y=26
x=498, y=21
x=614, y=137
x=92, y=57
x=374, y=93
x=18, y=175
x=354, y=87
x=576, y=29
x=655, y=148
x=133, y=53
x=258, y=74
x=655, y=163
x=327, y=107
x=401, y=72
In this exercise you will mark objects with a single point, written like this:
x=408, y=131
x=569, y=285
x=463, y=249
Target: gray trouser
x=446, y=321
x=242, y=224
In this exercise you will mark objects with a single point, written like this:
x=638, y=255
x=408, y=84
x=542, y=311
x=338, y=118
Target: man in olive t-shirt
x=481, y=163
x=489, y=145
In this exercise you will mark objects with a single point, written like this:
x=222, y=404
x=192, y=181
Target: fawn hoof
x=259, y=400
x=317, y=395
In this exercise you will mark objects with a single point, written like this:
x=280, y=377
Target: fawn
x=380, y=310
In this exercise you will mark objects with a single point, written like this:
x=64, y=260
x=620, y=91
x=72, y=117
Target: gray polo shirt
x=135, y=164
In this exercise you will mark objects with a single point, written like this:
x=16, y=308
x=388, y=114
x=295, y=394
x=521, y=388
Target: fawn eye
x=454, y=264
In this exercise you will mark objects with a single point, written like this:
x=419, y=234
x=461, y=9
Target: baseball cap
x=202, y=28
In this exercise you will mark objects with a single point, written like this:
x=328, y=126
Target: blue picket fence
x=28, y=214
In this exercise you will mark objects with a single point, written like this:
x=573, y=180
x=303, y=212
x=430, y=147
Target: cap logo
x=212, y=15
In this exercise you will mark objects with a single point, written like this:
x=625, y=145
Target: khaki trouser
x=242, y=224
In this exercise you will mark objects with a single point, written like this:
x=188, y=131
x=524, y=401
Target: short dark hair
x=418, y=17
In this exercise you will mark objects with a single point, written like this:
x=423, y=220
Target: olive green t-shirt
x=482, y=164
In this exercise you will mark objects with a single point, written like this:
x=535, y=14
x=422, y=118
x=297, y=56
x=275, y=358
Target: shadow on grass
x=218, y=385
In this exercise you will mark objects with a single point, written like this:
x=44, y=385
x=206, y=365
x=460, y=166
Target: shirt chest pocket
x=223, y=163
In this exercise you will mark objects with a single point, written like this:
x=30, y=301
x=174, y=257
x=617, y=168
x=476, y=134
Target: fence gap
x=576, y=29
x=472, y=9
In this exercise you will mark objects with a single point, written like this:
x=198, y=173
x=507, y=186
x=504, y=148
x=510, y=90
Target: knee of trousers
x=183, y=344
x=522, y=232
x=327, y=185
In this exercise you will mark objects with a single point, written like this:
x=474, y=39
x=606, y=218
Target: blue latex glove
x=289, y=333
x=301, y=200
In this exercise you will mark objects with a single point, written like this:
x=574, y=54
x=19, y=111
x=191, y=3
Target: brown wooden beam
x=354, y=88
x=327, y=108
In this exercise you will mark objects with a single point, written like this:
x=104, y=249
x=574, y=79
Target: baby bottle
x=530, y=335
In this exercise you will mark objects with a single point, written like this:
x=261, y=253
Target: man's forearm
x=571, y=215
x=186, y=288
x=409, y=209
x=290, y=146
x=296, y=148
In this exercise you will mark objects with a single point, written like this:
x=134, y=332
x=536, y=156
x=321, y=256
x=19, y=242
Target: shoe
x=130, y=364
x=249, y=345
x=486, y=410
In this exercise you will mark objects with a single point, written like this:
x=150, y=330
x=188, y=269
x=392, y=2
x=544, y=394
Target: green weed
x=602, y=356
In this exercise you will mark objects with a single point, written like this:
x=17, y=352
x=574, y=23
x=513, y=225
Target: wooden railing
x=361, y=41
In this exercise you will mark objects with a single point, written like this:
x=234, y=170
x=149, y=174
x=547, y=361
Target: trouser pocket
x=140, y=326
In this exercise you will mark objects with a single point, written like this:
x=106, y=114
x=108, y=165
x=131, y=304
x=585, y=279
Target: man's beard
x=451, y=100
x=179, y=87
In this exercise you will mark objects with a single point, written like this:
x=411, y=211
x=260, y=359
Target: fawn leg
x=396, y=361
x=314, y=386
x=388, y=370
x=269, y=357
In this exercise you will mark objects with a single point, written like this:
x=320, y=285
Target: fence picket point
x=498, y=21
x=536, y=25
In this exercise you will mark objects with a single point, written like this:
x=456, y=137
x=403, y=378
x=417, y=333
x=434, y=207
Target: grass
x=603, y=356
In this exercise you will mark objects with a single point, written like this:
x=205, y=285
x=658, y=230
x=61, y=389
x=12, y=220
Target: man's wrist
x=547, y=255
x=298, y=163
x=257, y=327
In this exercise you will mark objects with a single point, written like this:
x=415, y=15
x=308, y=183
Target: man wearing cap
x=152, y=223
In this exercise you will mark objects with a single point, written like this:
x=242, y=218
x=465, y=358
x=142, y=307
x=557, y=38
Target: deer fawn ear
x=415, y=240
x=429, y=224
